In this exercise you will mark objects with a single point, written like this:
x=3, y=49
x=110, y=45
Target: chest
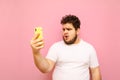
x=73, y=55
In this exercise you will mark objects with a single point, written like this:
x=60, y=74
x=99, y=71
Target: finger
x=40, y=47
x=37, y=41
x=35, y=36
x=39, y=44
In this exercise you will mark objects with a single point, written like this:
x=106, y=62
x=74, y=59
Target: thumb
x=36, y=36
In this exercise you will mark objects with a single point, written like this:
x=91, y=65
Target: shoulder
x=87, y=45
x=57, y=44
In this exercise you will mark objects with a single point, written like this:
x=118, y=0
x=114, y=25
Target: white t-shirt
x=72, y=61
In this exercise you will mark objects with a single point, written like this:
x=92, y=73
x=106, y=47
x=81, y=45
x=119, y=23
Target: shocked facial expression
x=69, y=33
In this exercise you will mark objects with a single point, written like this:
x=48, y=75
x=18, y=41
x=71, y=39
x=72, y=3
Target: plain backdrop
x=100, y=26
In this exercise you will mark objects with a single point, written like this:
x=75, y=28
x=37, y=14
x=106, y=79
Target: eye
x=63, y=29
x=69, y=29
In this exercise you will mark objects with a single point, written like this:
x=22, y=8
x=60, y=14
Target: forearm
x=41, y=63
x=96, y=75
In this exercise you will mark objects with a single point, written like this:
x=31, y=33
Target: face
x=69, y=33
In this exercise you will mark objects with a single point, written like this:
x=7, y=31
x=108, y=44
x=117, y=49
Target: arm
x=95, y=73
x=43, y=64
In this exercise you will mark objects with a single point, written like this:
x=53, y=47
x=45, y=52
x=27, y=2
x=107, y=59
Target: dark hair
x=74, y=20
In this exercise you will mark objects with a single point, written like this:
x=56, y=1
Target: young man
x=72, y=58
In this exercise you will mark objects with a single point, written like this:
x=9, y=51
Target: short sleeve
x=52, y=53
x=93, y=58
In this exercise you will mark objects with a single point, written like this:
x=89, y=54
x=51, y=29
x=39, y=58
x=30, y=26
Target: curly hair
x=74, y=20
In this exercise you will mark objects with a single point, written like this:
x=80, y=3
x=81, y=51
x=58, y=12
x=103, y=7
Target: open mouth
x=66, y=36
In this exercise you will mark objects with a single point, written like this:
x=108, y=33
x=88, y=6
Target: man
x=72, y=58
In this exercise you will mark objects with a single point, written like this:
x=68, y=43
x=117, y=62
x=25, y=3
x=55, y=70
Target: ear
x=78, y=31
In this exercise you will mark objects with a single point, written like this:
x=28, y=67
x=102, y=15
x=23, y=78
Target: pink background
x=100, y=26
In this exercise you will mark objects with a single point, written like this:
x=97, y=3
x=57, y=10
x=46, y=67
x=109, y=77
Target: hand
x=36, y=43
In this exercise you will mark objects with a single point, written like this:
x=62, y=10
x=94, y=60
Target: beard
x=72, y=41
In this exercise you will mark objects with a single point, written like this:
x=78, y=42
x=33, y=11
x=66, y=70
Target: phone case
x=38, y=30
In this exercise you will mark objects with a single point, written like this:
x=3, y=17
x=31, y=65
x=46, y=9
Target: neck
x=77, y=40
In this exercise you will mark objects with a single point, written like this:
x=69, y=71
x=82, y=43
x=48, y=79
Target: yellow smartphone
x=38, y=30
